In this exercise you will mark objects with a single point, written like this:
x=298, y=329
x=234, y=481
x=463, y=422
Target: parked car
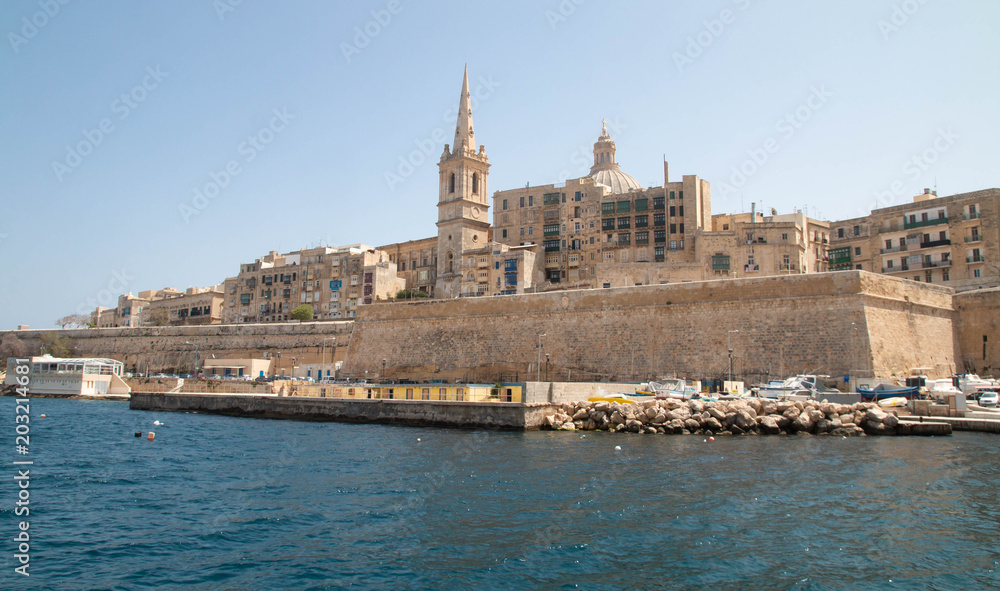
x=989, y=399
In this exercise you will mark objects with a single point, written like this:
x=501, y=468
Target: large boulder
x=602, y=405
x=768, y=407
x=875, y=415
x=696, y=406
x=617, y=418
x=660, y=418
x=633, y=426
x=824, y=425
x=792, y=412
x=567, y=426
x=781, y=420
x=675, y=425
x=652, y=411
x=847, y=418
x=679, y=414
x=890, y=421
x=802, y=423
x=712, y=424
x=717, y=413
x=768, y=425
x=581, y=414
x=597, y=416
x=816, y=415
x=692, y=425
x=745, y=419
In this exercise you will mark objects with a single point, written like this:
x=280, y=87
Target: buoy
x=618, y=448
x=418, y=440
x=711, y=438
x=138, y=433
x=43, y=416
x=150, y=436
x=157, y=423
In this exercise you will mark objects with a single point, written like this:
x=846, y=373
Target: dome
x=605, y=170
x=615, y=179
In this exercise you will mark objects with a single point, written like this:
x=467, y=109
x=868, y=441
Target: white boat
x=801, y=386
x=970, y=383
x=669, y=388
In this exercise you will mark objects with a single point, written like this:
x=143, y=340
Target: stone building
x=416, y=263
x=192, y=307
x=952, y=241
x=334, y=281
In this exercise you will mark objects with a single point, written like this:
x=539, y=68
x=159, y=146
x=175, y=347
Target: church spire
x=465, y=137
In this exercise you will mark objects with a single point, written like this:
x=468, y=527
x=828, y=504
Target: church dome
x=615, y=179
x=605, y=170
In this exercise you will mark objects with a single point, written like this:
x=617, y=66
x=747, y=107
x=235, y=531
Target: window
x=641, y=221
x=857, y=251
x=451, y=184
x=505, y=205
x=784, y=236
x=680, y=211
x=945, y=276
x=681, y=229
x=505, y=233
x=624, y=207
x=927, y=276
x=673, y=210
x=550, y=199
x=578, y=196
x=642, y=237
x=641, y=204
x=857, y=230
x=720, y=262
x=531, y=201
x=624, y=223
x=659, y=236
x=657, y=202
x=680, y=194
x=673, y=245
x=659, y=220
x=672, y=195
x=475, y=182
x=522, y=231
x=673, y=228
x=551, y=229
x=888, y=244
x=840, y=232
x=531, y=230
x=607, y=208
x=608, y=224
x=522, y=201
x=425, y=393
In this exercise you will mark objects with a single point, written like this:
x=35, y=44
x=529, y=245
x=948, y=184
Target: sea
x=227, y=503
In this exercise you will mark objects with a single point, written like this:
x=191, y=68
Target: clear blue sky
x=870, y=85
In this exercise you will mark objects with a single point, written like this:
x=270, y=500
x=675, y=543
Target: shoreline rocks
x=726, y=417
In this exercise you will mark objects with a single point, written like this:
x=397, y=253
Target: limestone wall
x=817, y=323
x=979, y=331
x=165, y=348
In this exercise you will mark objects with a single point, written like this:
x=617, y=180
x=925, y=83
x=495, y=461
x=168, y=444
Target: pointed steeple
x=465, y=137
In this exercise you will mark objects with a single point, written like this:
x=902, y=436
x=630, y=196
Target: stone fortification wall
x=816, y=323
x=912, y=327
x=489, y=415
x=979, y=331
x=165, y=347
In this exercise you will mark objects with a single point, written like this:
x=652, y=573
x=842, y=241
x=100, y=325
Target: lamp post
x=546, y=367
x=730, y=347
x=383, y=370
x=538, y=363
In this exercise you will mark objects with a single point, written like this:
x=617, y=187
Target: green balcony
x=924, y=223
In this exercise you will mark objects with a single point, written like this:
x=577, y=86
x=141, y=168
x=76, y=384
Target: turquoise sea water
x=229, y=503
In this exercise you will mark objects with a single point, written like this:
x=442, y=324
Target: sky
x=148, y=145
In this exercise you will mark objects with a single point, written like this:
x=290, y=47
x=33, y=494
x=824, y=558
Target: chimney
x=666, y=171
x=753, y=212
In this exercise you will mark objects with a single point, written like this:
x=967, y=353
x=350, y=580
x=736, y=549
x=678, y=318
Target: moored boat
x=670, y=388
x=884, y=391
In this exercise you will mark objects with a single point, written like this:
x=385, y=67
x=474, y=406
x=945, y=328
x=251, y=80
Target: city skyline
x=297, y=160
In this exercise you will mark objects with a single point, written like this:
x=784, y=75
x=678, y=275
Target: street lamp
x=538, y=363
x=546, y=367
x=383, y=370
x=730, y=347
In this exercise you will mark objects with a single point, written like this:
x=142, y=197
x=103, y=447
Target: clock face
x=476, y=212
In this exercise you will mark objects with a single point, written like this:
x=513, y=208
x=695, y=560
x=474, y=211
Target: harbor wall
x=491, y=415
x=832, y=323
x=979, y=331
x=166, y=348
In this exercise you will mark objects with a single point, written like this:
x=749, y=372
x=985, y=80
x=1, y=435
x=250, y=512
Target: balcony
x=895, y=269
x=970, y=216
x=840, y=261
x=924, y=223
x=900, y=248
x=976, y=238
x=934, y=243
x=935, y=264
x=975, y=259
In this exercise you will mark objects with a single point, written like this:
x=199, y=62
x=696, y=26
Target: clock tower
x=463, y=205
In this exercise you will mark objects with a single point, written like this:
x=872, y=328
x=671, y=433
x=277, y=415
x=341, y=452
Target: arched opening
x=450, y=262
x=451, y=183
x=475, y=182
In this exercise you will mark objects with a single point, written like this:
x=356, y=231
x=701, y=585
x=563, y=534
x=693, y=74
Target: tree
x=158, y=318
x=11, y=346
x=405, y=294
x=303, y=312
x=56, y=344
x=74, y=319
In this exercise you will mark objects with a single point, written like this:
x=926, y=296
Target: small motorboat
x=669, y=388
x=884, y=391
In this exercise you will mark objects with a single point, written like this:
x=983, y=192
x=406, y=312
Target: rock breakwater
x=726, y=417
